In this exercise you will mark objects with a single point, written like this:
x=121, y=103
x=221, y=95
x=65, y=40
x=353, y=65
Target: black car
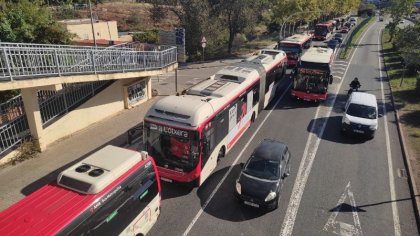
x=338, y=37
x=333, y=44
x=261, y=179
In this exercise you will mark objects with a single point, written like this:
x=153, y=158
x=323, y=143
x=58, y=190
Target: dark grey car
x=260, y=182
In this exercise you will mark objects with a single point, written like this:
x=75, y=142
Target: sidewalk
x=20, y=180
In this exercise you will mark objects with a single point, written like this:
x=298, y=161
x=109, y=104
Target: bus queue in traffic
x=117, y=191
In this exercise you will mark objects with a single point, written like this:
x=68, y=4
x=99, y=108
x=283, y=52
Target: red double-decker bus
x=114, y=191
x=313, y=75
x=294, y=46
x=187, y=134
x=323, y=30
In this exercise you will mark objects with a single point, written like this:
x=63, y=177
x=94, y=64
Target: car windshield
x=262, y=168
x=361, y=111
x=338, y=35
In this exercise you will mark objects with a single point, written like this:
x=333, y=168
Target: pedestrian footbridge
x=65, y=88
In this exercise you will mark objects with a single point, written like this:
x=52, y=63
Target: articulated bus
x=114, y=191
x=187, y=134
x=294, y=47
x=323, y=30
x=313, y=75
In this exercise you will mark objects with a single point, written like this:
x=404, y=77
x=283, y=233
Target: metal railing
x=31, y=61
x=53, y=104
x=14, y=127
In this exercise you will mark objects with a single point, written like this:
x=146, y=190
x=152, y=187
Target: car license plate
x=251, y=204
x=166, y=180
x=359, y=131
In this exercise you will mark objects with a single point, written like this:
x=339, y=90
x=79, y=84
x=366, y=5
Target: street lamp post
x=91, y=22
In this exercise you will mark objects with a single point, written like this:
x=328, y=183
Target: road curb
x=412, y=182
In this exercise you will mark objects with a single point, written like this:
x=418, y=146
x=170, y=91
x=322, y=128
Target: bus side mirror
x=331, y=79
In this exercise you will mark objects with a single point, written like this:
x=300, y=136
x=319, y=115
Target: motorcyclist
x=355, y=84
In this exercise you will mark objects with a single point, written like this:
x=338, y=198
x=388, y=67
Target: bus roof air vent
x=94, y=173
x=83, y=168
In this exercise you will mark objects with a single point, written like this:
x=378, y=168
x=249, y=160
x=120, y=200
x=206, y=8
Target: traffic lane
x=342, y=161
x=376, y=82
x=178, y=200
x=360, y=183
x=286, y=123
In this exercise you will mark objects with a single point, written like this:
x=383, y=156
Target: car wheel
x=276, y=204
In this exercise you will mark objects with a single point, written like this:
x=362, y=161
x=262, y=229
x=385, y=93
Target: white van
x=360, y=115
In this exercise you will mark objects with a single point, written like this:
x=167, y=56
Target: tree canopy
x=26, y=21
x=407, y=42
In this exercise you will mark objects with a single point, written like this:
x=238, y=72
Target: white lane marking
x=395, y=215
x=233, y=164
x=341, y=228
x=309, y=157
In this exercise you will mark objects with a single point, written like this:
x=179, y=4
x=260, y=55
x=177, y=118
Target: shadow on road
x=344, y=207
x=173, y=190
x=332, y=130
x=224, y=205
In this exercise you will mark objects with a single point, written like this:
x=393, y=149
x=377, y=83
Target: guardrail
x=31, y=61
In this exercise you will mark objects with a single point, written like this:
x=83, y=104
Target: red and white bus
x=313, y=74
x=323, y=30
x=187, y=134
x=294, y=47
x=114, y=191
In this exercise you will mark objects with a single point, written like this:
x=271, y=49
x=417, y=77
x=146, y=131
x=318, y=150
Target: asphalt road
x=338, y=185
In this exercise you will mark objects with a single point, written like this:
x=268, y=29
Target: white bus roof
x=109, y=163
x=317, y=55
x=296, y=38
x=204, y=99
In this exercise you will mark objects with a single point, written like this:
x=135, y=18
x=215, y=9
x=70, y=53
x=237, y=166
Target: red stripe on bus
x=239, y=134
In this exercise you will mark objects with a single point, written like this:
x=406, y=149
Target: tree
x=398, y=9
x=239, y=15
x=25, y=21
x=193, y=16
x=407, y=42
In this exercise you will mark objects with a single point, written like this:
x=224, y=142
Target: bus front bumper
x=309, y=96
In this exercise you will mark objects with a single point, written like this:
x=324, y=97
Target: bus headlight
x=270, y=196
x=238, y=188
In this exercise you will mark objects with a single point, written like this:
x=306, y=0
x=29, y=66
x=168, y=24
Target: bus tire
x=221, y=153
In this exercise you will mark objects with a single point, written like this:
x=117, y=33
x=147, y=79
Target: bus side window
x=208, y=145
x=256, y=96
x=117, y=213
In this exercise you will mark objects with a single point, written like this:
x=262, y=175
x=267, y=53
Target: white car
x=360, y=115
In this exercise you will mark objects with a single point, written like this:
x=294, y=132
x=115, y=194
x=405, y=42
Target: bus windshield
x=172, y=147
x=321, y=30
x=314, y=66
x=289, y=47
x=311, y=83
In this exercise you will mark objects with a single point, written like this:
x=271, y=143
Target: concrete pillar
x=148, y=87
x=33, y=114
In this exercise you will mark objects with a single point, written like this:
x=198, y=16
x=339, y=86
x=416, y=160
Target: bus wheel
x=221, y=153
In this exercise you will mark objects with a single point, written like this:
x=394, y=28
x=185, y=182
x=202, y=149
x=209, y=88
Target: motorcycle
x=353, y=88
